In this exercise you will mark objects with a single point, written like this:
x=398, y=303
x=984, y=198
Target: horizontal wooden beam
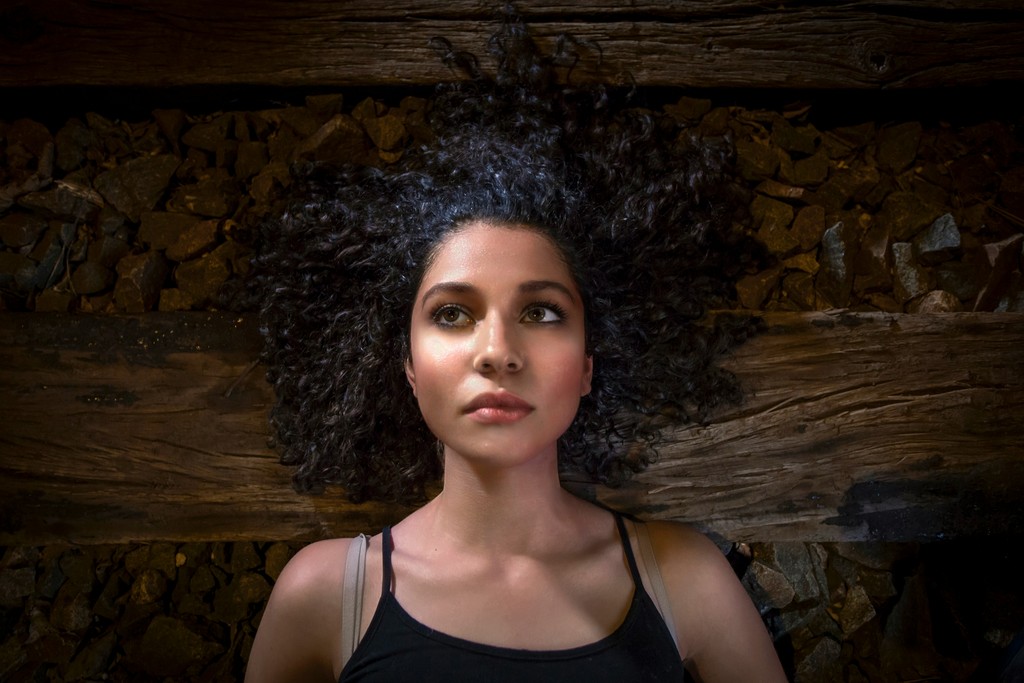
x=699, y=43
x=857, y=426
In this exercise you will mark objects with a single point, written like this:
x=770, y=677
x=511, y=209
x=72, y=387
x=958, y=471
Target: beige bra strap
x=352, y=597
x=649, y=569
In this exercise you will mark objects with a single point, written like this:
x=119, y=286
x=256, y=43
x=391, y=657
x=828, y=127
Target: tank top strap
x=628, y=549
x=385, y=551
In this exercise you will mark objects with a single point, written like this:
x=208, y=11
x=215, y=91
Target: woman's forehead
x=483, y=250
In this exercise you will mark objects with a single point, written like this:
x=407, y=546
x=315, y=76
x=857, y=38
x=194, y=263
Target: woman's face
x=498, y=358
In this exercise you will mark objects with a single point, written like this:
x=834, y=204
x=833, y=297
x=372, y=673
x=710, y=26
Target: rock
x=857, y=610
x=107, y=605
x=845, y=186
x=908, y=651
x=202, y=581
x=91, y=278
x=801, y=140
x=799, y=289
x=821, y=664
x=12, y=654
x=326, y=105
x=236, y=601
x=808, y=227
x=72, y=610
x=162, y=559
x=911, y=280
x=270, y=184
x=195, y=240
x=752, y=290
x=715, y=123
x=768, y=587
x=252, y=157
x=26, y=140
x=1004, y=257
x=803, y=262
x=809, y=172
x=170, y=648
x=805, y=574
x=939, y=242
x=897, y=145
x=170, y=123
x=974, y=175
x=21, y=229
x=91, y=662
x=278, y=555
x=687, y=109
x=341, y=140
x=387, y=132
x=755, y=160
x=65, y=201
x=803, y=625
x=1011, y=191
x=906, y=214
x=149, y=587
x=244, y=557
x=16, y=584
x=74, y=144
x=960, y=279
x=52, y=260
x=773, y=188
x=873, y=263
x=137, y=185
x=368, y=108
x=1013, y=300
x=209, y=136
x=202, y=278
x=16, y=271
x=936, y=301
x=161, y=229
x=55, y=300
x=107, y=251
x=214, y=195
x=140, y=279
x=835, y=279
x=174, y=299
x=773, y=219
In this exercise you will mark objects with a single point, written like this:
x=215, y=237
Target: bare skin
x=504, y=556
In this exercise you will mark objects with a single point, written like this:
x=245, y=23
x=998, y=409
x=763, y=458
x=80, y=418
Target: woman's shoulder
x=299, y=630
x=719, y=630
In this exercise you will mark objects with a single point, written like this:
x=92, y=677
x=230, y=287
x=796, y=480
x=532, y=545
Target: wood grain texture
x=857, y=426
x=700, y=43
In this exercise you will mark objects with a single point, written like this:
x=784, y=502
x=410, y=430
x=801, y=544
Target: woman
x=516, y=301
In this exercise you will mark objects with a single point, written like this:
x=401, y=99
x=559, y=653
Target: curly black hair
x=640, y=209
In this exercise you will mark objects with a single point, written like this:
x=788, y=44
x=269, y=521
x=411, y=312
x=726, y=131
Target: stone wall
x=102, y=215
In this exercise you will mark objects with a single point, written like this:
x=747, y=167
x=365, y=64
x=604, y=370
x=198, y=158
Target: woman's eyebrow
x=448, y=288
x=528, y=287
x=540, y=285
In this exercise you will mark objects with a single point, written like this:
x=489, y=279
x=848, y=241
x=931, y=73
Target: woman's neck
x=508, y=508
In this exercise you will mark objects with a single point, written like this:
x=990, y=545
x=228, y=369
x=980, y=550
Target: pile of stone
x=860, y=612
x=106, y=216
x=170, y=612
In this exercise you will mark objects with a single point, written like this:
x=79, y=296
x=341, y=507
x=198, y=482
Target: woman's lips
x=497, y=408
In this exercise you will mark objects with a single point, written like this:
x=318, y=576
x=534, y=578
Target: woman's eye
x=451, y=316
x=542, y=314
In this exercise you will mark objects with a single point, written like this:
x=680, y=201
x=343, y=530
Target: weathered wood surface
x=699, y=43
x=857, y=426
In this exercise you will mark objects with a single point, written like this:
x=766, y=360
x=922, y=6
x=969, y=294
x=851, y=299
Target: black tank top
x=396, y=648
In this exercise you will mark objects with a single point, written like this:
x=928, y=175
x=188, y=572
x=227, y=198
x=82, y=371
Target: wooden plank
x=858, y=426
x=701, y=43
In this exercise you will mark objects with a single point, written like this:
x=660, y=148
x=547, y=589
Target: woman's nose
x=498, y=348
